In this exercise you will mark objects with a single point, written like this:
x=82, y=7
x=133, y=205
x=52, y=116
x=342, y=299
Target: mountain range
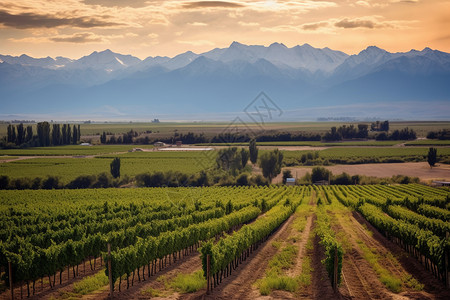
x=303, y=81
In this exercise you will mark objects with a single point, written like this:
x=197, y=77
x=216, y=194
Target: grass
x=189, y=283
x=393, y=283
x=151, y=292
x=274, y=279
x=276, y=244
x=184, y=283
x=349, y=155
x=5, y=157
x=304, y=278
x=91, y=283
x=86, y=286
x=70, y=150
x=429, y=143
x=132, y=164
x=284, y=283
x=303, y=212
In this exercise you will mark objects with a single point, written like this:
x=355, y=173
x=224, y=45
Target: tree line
x=361, y=131
x=46, y=135
x=443, y=134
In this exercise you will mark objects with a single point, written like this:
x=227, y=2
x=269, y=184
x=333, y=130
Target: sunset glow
x=74, y=28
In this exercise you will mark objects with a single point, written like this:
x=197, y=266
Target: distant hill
x=305, y=82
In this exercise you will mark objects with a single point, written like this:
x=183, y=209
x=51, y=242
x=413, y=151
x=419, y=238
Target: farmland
x=135, y=163
x=261, y=241
x=69, y=162
x=165, y=129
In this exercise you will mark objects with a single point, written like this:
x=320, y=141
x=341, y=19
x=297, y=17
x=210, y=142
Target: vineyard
x=235, y=242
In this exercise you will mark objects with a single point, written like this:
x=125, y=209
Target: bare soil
x=297, y=269
x=433, y=288
x=240, y=284
x=44, y=291
x=413, y=169
x=360, y=280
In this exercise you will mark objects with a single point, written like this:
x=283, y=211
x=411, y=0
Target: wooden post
x=447, y=271
x=208, y=274
x=335, y=273
x=11, y=286
x=111, y=286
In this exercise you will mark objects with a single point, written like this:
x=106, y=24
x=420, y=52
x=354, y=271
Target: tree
x=332, y=135
x=244, y=157
x=286, y=174
x=270, y=163
x=229, y=159
x=63, y=134
x=29, y=135
x=432, y=156
x=320, y=173
x=13, y=134
x=242, y=180
x=75, y=135
x=9, y=136
x=103, y=138
x=56, y=134
x=43, y=129
x=20, y=134
x=69, y=135
x=253, y=151
x=115, y=167
x=363, y=131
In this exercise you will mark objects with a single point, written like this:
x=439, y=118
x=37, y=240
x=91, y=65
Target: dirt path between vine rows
x=433, y=288
x=297, y=269
x=361, y=281
x=187, y=265
x=239, y=285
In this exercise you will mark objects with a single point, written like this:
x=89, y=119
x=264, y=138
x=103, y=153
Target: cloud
x=198, y=24
x=363, y=3
x=153, y=35
x=280, y=28
x=118, y=3
x=407, y=1
x=372, y=22
x=248, y=23
x=78, y=38
x=206, y=4
x=33, y=20
x=314, y=26
x=356, y=23
x=197, y=43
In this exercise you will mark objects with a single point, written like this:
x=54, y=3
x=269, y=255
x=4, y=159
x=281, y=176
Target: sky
x=74, y=28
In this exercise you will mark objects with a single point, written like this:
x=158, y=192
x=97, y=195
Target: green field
x=132, y=164
x=210, y=129
x=429, y=143
x=72, y=150
x=348, y=155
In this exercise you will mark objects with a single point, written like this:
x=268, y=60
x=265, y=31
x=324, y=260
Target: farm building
x=290, y=181
x=159, y=144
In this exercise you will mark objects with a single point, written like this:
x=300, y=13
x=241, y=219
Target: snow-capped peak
x=120, y=62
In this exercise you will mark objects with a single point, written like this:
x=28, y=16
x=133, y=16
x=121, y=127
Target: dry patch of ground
x=413, y=169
